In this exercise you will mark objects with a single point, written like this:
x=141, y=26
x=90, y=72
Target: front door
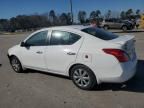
x=32, y=54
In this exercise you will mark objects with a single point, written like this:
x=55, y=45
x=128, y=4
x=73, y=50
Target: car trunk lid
x=127, y=43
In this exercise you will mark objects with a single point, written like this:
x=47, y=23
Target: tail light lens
x=119, y=54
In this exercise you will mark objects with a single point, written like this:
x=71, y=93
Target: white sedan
x=88, y=55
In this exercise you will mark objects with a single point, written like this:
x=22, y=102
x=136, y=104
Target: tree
x=28, y=22
x=82, y=16
x=52, y=16
x=137, y=12
x=129, y=13
x=108, y=14
x=98, y=13
x=69, y=18
x=14, y=24
x=4, y=25
x=63, y=19
x=123, y=15
x=93, y=15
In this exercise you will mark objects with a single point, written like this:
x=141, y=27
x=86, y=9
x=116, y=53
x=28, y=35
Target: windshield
x=100, y=33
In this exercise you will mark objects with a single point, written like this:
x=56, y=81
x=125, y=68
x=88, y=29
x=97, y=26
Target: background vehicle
x=142, y=22
x=113, y=23
x=88, y=55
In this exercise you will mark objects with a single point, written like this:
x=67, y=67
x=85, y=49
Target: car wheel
x=106, y=27
x=83, y=77
x=16, y=65
x=124, y=28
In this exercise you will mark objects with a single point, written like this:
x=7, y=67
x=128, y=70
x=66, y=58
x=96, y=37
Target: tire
x=124, y=28
x=16, y=65
x=83, y=77
x=106, y=27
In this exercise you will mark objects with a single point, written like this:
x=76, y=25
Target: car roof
x=71, y=27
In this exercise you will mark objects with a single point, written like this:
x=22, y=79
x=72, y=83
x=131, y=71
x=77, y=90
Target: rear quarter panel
x=92, y=55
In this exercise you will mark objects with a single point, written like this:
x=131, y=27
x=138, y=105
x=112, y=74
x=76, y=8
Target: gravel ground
x=42, y=90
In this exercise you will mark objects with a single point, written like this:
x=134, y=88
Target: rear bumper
x=126, y=75
x=128, y=70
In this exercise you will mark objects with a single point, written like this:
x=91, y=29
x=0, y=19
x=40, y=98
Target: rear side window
x=100, y=33
x=73, y=38
x=63, y=38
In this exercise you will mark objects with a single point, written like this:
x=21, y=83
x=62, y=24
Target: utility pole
x=71, y=11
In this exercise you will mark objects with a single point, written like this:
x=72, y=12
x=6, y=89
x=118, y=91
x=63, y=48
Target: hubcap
x=81, y=77
x=15, y=64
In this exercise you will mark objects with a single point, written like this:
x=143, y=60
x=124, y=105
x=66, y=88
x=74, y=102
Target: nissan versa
x=88, y=55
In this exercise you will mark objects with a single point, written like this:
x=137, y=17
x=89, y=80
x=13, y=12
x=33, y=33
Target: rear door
x=62, y=50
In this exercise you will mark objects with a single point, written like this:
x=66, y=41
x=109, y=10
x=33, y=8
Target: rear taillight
x=119, y=54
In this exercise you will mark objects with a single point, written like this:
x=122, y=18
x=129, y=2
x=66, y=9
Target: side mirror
x=22, y=44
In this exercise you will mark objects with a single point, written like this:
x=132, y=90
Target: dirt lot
x=40, y=90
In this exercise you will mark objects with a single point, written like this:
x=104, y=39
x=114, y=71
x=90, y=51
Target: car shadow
x=45, y=73
x=136, y=84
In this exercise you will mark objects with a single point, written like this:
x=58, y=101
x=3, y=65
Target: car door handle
x=39, y=52
x=71, y=53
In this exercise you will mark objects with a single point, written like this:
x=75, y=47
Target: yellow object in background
x=142, y=22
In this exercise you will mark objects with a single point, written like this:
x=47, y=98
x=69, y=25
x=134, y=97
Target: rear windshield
x=100, y=33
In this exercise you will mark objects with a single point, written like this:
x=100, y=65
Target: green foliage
x=108, y=14
x=28, y=22
x=95, y=14
x=82, y=17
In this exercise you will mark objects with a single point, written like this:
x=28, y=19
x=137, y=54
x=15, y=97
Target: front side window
x=63, y=38
x=38, y=39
